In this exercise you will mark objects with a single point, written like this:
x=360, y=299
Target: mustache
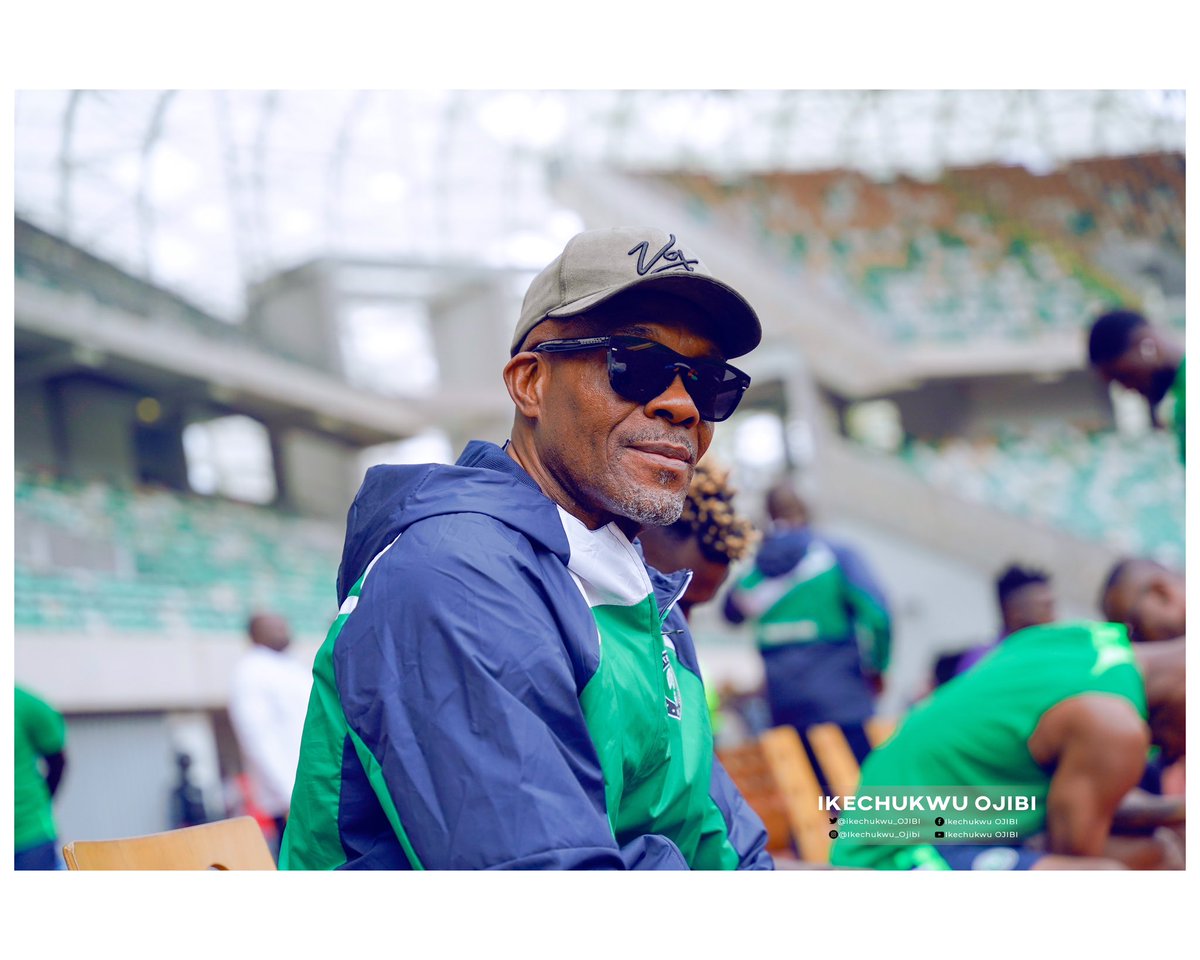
x=680, y=439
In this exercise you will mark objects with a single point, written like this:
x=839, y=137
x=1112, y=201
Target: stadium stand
x=995, y=249
x=1101, y=485
x=984, y=254
x=101, y=558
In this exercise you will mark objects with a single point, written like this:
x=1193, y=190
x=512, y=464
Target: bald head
x=269, y=630
x=785, y=505
x=1146, y=596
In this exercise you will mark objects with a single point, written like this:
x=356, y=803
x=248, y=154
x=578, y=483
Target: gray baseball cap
x=597, y=265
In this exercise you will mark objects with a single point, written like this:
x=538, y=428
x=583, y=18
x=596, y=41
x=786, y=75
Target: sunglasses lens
x=727, y=393
x=638, y=371
x=641, y=370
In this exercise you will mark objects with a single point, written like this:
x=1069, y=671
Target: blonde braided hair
x=708, y=516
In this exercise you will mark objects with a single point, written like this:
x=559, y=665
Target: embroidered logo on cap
x=675, y=258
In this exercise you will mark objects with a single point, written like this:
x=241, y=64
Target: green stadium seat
x=204, y=563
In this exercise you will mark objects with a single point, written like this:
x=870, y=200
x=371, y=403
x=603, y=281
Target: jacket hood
x=485, y=480
x=782, y=549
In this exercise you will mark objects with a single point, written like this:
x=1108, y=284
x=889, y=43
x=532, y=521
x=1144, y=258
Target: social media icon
x=940, y=821
x=833, y=834
x=939, y=834
x=833, y=819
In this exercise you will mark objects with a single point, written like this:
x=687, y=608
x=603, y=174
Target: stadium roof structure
x=207, y=192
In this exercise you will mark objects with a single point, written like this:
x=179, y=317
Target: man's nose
x=675, y=404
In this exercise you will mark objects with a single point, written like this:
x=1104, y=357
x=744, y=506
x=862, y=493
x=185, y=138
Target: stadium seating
x=993, y=250
x=94, y=558
x=1105, y=486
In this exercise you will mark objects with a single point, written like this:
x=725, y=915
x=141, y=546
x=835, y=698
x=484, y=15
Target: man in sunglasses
x=508, y=684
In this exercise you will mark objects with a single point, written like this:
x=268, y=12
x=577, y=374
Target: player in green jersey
x=1061, y=714
x=39, y=739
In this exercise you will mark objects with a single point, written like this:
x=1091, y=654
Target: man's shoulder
x=1095, y=724
x=32, y=707
x=1103, y=715
x=467, y=550
x=475, y=580
x=466, y=534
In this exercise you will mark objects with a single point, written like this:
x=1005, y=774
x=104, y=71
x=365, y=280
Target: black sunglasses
x=640, y=370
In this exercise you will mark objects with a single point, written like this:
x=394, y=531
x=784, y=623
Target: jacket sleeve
x=461, y=696
x=747, y=834
x=869, y=608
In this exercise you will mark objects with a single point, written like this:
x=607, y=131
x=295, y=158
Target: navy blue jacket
x=446, y=728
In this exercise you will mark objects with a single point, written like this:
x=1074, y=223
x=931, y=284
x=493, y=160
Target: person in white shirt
x=267, y=703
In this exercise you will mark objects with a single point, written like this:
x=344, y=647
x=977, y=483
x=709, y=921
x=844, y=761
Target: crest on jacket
x=674, y=700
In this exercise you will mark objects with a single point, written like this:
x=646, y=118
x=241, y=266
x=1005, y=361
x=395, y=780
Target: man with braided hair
x=706, y=539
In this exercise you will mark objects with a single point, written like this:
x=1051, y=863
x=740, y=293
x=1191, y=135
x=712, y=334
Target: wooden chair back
x=778, y=781
x=235, y=844
x=749, y=769
x=801, y=792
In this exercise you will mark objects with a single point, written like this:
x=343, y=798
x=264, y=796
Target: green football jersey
x=39, y=731
x=971, y=736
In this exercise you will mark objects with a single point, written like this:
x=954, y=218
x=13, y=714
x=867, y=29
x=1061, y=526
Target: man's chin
x=651, y=506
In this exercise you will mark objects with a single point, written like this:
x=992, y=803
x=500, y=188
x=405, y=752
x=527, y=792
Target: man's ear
x=525, y=378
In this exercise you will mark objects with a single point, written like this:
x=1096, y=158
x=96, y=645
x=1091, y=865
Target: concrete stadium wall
x=148, y=672
x=293, y=315
x=96, y=420
x=121, y=771
x=33, y=441
x=319, y=475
